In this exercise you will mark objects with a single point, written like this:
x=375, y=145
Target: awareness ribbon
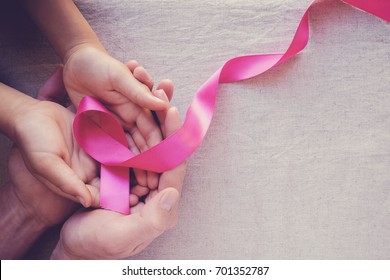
x=100, y=134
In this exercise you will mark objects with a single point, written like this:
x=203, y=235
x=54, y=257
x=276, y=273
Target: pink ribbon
x=102, y=137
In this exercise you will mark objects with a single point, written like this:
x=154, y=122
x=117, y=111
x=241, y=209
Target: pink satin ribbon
x=101, y=135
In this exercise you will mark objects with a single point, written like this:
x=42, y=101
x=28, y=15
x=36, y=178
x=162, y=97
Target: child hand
x=124, y=89
x=43, y=134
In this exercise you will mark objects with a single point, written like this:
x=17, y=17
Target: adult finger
x=156, y=214
x=130, y=234
x=174, y=177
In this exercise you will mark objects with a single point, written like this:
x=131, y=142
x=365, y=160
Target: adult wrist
x=60, y=253
x=19, y=227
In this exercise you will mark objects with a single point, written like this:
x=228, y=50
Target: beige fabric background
x=296, y=162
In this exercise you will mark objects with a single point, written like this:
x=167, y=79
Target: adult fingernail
x=169, y=200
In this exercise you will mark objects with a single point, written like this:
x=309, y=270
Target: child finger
x=58, y=173
x=143, y=76
x=132, y=64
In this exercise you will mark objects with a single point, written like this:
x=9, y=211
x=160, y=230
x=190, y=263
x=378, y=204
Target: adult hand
x=28, y=208
x=103, y=234
x=39, y=202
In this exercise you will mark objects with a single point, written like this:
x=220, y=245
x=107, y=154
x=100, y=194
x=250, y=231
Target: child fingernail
x=160, y=94
x=82, y=200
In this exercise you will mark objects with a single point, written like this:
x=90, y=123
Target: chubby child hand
x=43, y=134
x=42, y=131
x=125, y=89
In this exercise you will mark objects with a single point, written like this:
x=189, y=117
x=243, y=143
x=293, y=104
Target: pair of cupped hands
x=52, y=175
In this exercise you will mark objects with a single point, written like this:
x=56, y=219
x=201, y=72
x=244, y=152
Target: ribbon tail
x=114, y=188
x=378, y=8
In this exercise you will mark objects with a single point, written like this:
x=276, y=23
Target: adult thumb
x=158, y=212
